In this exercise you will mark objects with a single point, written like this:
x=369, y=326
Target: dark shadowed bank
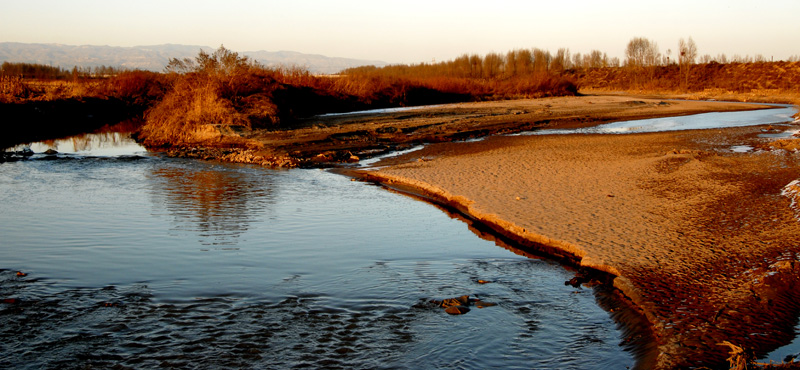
x=45, y=120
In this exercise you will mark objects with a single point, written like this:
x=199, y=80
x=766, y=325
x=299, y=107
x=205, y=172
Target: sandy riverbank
x=699, y=237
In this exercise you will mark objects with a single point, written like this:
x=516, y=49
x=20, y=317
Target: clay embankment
x=700, y=238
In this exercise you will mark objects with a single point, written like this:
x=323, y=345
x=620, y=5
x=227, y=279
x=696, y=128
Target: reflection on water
x=95, y=144
x=218, y=202
x=108, y=142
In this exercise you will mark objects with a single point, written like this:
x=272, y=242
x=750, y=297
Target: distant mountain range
x=156, y=57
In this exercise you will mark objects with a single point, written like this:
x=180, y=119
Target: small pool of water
x=742, y=148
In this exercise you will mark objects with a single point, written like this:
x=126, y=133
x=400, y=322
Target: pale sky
x=410, y=31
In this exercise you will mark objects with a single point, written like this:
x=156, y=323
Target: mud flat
x=329, y=139
x=701, y=237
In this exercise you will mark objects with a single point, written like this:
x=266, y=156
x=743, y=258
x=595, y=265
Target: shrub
x=218, y=89
x=136, y=87
x=191, y=104
x=12, y=88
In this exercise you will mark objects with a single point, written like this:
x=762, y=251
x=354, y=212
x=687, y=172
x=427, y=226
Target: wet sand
x=699, y=237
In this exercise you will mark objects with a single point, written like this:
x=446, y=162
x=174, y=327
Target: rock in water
x=482, y=304
x=460, y=301
x=25, y=152
x=456, y=310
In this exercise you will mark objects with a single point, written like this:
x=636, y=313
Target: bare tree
x=492, y=65
x=541, y=60
x=596, y=59
x=641, y=54
x=577, y=60
x=560, y=61
x=524, y=62
x=687, y=52
x=221, y=61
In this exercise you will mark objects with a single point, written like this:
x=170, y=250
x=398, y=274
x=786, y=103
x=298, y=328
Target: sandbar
x=704, y=240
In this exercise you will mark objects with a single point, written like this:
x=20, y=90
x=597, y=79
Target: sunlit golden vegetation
x=227, y=89
x=224, y=88
x=517, y=74
x=56, y=105
x=44, y=83
x=758, y=81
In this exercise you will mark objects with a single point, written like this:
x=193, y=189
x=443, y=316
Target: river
x=136, y=260
x=111, y=256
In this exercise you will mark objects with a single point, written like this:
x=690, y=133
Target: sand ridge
x=699, y=237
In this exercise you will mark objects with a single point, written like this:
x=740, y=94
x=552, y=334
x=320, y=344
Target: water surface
x=142, y=261
x=701, y=121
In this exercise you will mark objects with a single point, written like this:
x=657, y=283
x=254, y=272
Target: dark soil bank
x=44, y=120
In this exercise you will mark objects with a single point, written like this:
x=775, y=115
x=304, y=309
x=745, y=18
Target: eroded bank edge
x=618, y=296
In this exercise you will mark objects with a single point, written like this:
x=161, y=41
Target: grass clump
x=211, y=91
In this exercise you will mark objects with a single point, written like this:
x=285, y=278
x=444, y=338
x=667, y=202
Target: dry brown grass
x=741, y=359
x=221, y=89
x=392, y=81
x=135, y=87
x=789, y=145
x=181, y=113
x=15, y=89
x=774, y=82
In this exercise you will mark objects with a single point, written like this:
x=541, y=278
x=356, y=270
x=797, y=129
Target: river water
x=779, y=113
x=131, y=259
x=140, y=261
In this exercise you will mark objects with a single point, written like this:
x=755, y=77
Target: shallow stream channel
x=111, y=256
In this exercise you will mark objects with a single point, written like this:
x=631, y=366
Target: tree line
x=520, y=62
x=520, y=73
x=639, y=53
x=47, y=72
